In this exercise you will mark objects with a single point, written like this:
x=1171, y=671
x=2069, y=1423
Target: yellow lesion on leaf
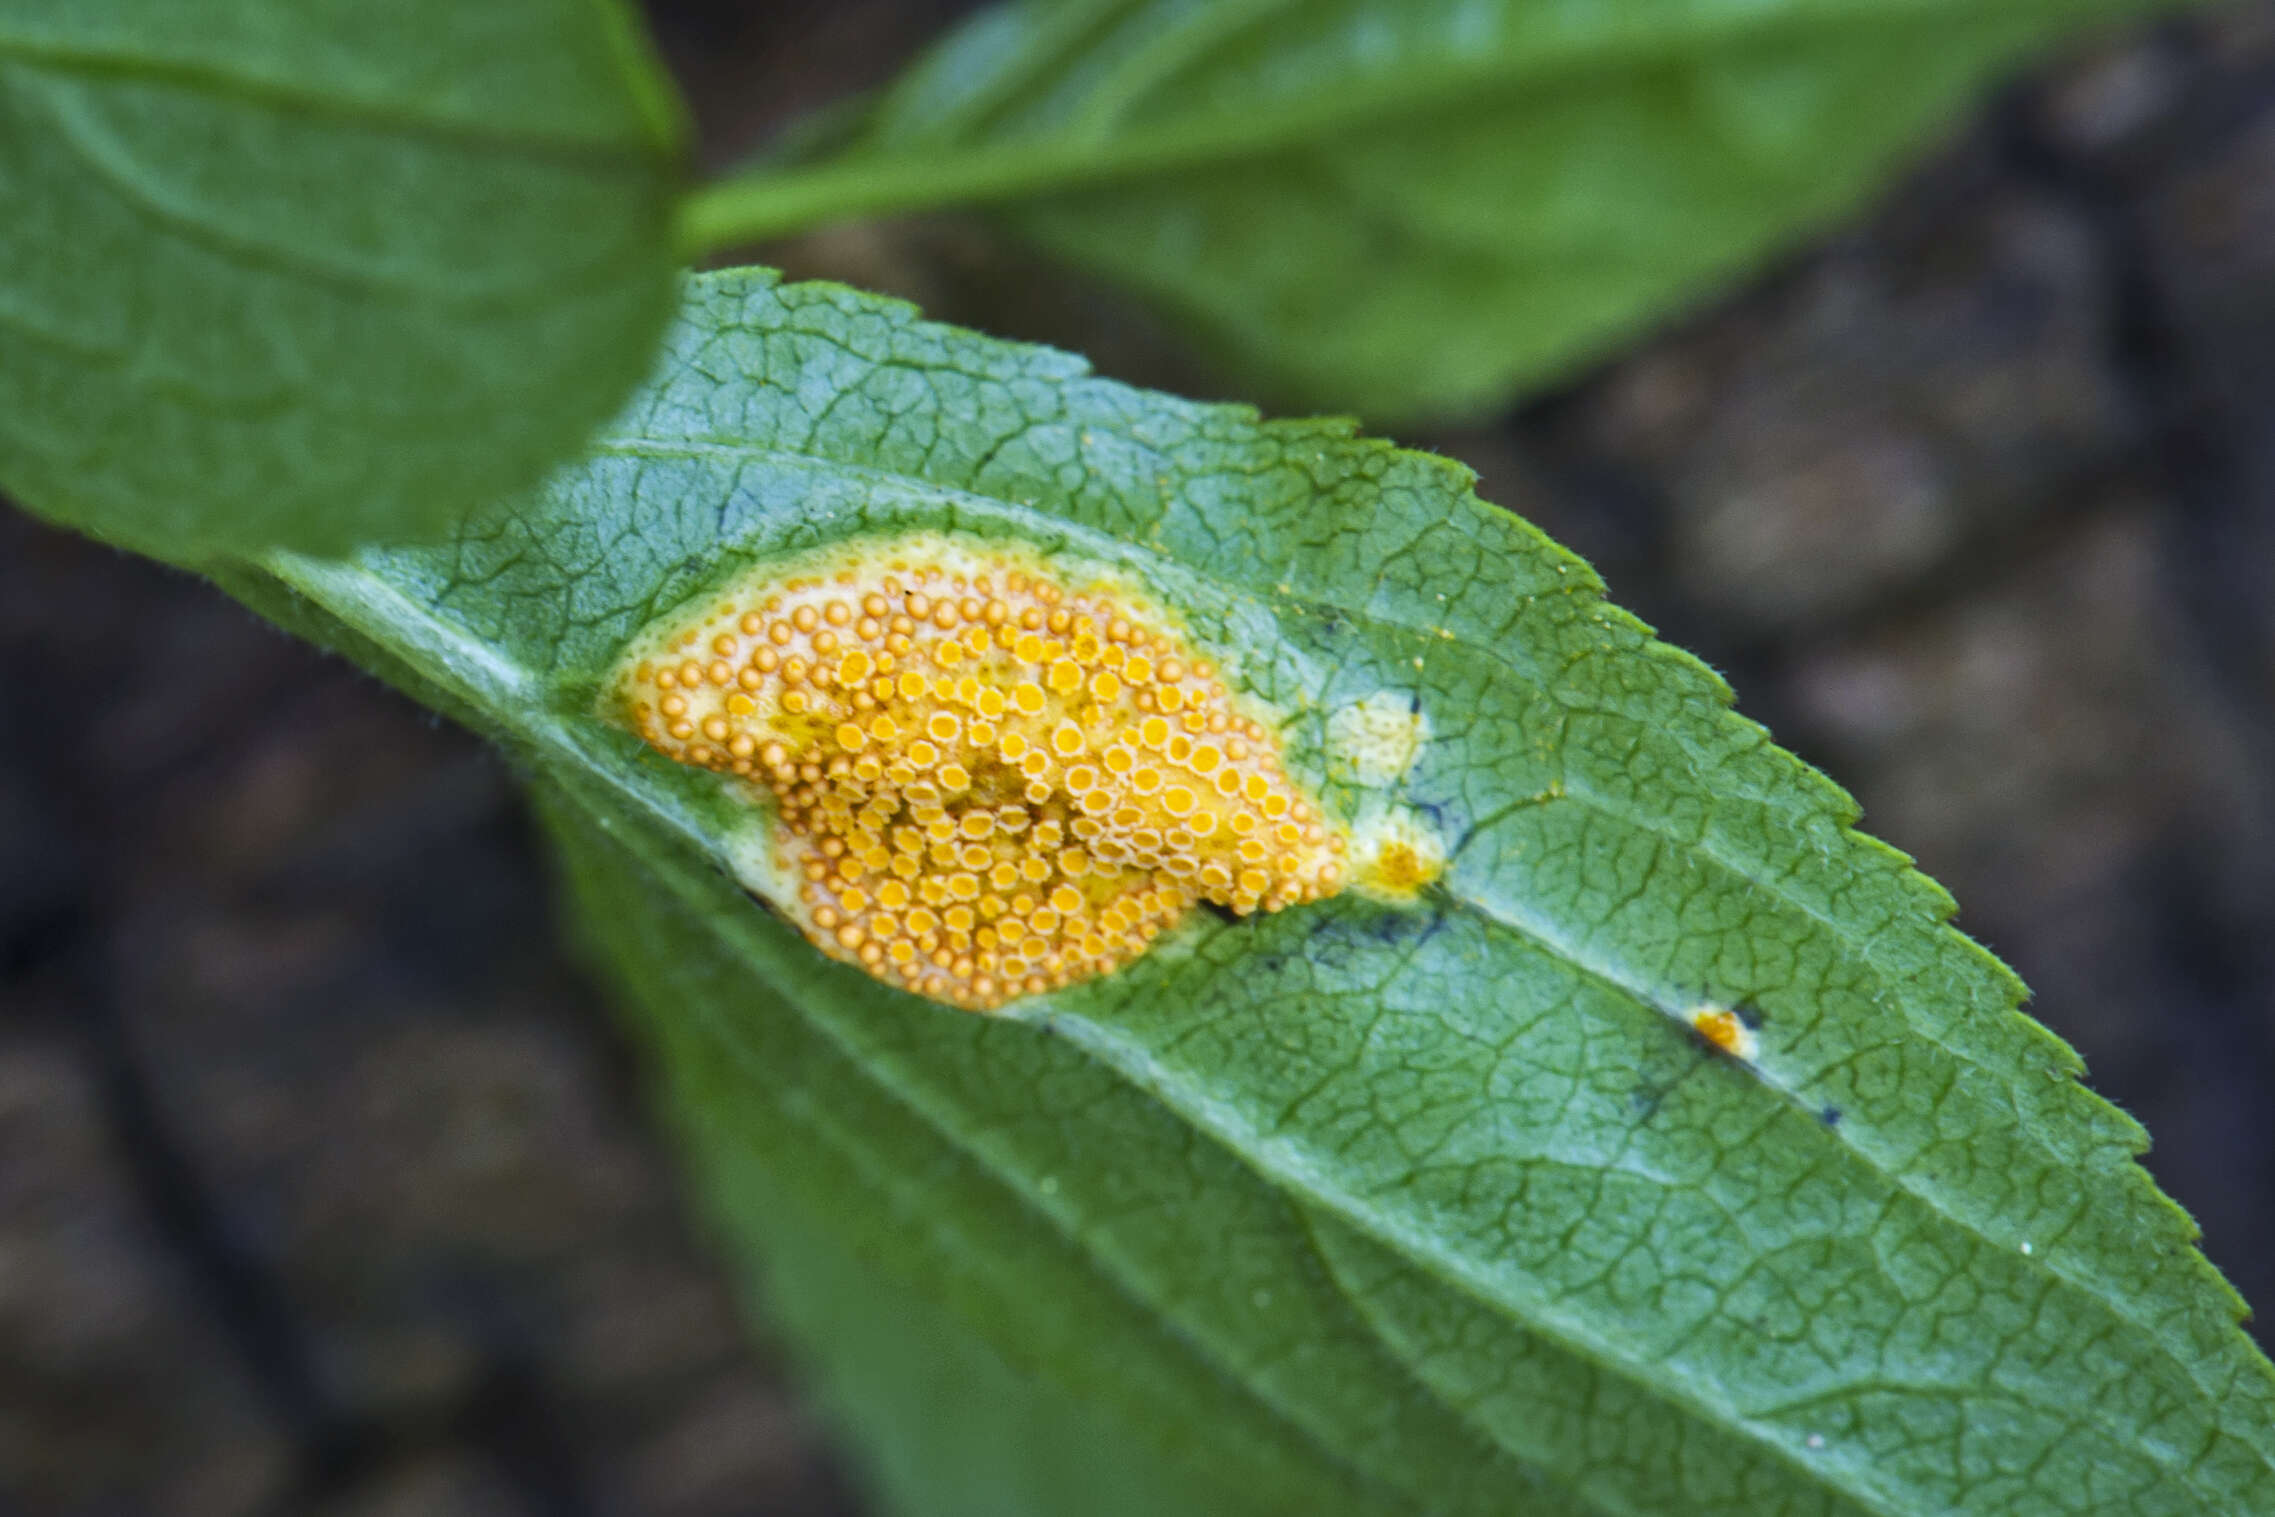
x=1400, y=869
x=988, y=780
x=1396, y=854
x=1725, y=1031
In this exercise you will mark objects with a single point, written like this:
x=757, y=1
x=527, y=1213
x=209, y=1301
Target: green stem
x=773, y=200
x=768, y=202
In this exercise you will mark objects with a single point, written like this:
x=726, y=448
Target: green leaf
x=1412, y=207
x=314, y=272
x=1355, y=1208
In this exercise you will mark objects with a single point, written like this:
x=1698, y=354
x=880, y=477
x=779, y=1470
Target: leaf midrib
x=1268, y=1158
x=1704, y=845
x=508, y=693
x=341, y=274
x=332, y=106
x=513, y=692
x=1658, y=37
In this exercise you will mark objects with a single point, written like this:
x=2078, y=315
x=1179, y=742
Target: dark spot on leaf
x=1830, y=1116
x=1391, y=926
x=1646, y=1098
x=1750, y=1016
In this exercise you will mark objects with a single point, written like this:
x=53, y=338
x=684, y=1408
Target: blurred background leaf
x=1408, y=209
x=312, y=272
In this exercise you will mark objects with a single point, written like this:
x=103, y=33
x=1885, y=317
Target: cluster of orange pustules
x=988, y=786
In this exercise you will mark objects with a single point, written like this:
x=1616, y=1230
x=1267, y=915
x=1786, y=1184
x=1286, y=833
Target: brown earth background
x=325, y=1185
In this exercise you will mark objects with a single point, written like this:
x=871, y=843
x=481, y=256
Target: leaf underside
x=1414, y=208
x=309, y=273
x=1355, y=1208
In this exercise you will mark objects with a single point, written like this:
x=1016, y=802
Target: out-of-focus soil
x=325, y=1186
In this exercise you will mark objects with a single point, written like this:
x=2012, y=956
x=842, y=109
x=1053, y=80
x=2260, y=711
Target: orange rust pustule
x=1723, y=1030
x=988, y=784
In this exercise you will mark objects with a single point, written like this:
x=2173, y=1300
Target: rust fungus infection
x=1396, y=855
x=989, y=782
x=1725, y=1031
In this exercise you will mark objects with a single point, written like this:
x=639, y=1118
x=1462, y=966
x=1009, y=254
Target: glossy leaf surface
x=1359, y=1207
x=313, y=272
